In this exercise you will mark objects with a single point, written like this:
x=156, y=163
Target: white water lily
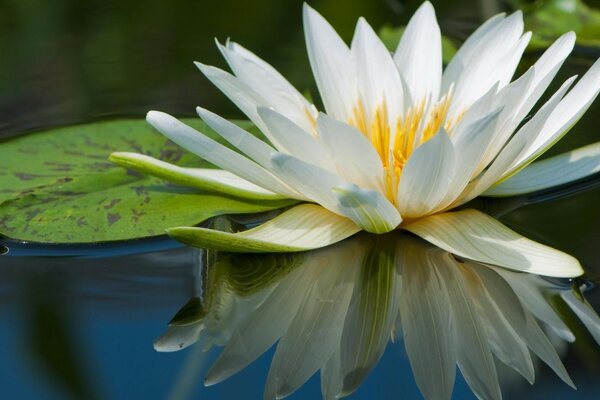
x=334, y=311
x=401, y=142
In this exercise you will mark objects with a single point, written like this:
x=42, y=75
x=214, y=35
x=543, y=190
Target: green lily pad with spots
x=58, y=186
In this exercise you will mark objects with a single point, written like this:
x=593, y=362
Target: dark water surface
x=74, y=327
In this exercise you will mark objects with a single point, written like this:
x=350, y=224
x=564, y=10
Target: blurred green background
x=71, y=61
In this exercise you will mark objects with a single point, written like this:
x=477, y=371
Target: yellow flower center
x=412, y=130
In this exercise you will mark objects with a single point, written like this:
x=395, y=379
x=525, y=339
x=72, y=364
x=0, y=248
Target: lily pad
x=58, y=186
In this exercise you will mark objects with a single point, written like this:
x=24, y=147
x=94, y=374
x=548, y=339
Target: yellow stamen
x=311, y=118
x=395, y=147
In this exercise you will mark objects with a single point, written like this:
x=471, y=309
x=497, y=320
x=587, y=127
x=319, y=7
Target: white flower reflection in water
x=334, y=310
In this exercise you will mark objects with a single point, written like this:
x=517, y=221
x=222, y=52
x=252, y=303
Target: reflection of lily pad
x=551, y=18
x=58, y=186
x=390, y=36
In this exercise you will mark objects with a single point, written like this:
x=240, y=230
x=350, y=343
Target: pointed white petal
x=352, y=153
x=476, y=236
x=419, y=55
x=247, y=143
x=314, y=182
x=370, y=317
x=266, y=325
x=585, y=312
x=429, y=332
x=508, y=98
x=566, y=114
x=216, y=153
x=291, y=139
x=538, y=343
x=216, y=180
x=520, y=319
x=474, y=354
x=530, y=292
x=469, y=147
x=426, y=176
x=546, y=68
x=491, y=59
x=468, y=50
x=505, y=162
x=378, y=78
x=315, y=332
x=304, y=227
x=245, y=98
x=331, y=377
x=330, y=61
x=269, y=84
x=504, y=341
x=178, y=337
x=551, y=172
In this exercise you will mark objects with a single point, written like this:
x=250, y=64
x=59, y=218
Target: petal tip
x=155, y=117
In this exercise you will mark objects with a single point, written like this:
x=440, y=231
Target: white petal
x=331, y=376
x=330, y=61
x=216, y=153
x=529, y=288
x=178, y=337
x=269, y=84
x=468, y=50
x=566, y=114
x=247, y=143
x=266, y=325
x=217, y=180
x=585, y=312
x=504, y=164
x=476, y=236
x=314, y=334
x=419, y=55
x=489, y=60
x=245, y=98
x=504, y=341
x=474, y=354
x=352, y=153
x=291, y=139
x=551, y=172
x=428, y=329
x=520, y=319
x=546, y=68
x=426, y=176
x=314, y=182
x=469, y=147
x=304, y=227
x=538, y=343
x=368, y=208
x=378, y=79
x=370, y=317
x=509, y=98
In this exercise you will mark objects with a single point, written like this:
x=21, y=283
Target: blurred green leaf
x=58, y=186
x=549, y=19
x=390, y=36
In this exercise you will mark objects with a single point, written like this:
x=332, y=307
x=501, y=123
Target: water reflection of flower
x=401, y=142
x=334, y=310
